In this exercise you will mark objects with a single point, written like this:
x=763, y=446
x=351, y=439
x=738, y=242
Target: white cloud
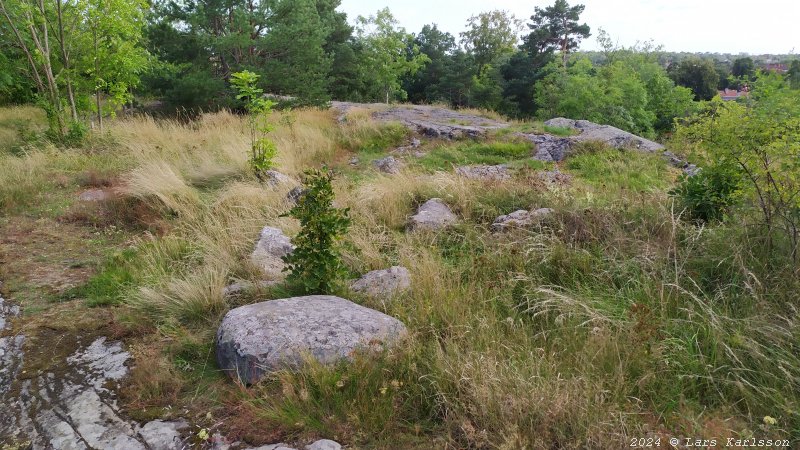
x=767, y=26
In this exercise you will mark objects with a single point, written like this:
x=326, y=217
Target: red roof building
x=732, y=94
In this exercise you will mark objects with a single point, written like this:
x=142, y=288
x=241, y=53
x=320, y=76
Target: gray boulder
x=93, y=195
x=388, y=165
x=611, y=136
x=383, y=283
x=260, y=338
x=554, y=176
x=433, y=215
x=294, y=195
x=548, y=147
x=275, y=178
x=520, y=219
x=324, y=444
x=160, y=435
x=488, y=173
x=270, y=248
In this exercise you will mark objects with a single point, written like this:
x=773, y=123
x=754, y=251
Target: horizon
x=766, y=33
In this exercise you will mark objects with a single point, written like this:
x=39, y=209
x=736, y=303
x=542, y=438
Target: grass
x=610, y=319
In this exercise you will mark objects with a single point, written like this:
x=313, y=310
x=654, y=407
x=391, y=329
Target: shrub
x=263, y=150
x=707, y=195
x=315, y=264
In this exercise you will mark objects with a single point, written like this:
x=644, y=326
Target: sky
x=723, y=26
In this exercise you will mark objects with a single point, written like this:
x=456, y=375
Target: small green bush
x=707, y=195
x=263, y=150
x=315, y=265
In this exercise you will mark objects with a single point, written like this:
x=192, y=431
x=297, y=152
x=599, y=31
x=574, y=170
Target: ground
x=610, y=319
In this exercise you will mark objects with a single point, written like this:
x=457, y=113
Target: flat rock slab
x=93, y=195
x=161, y=435
x=271, y=247
x=484, y=172
x=389, y=164
x=433, y=215
x=612, y=136
x=257, y=339
x=383, y=283
x=520, y=219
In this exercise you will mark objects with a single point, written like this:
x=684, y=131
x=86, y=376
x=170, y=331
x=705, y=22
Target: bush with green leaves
x=707, y=195
x=263, y=150
x=315, y=264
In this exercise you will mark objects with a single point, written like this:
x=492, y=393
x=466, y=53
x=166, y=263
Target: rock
x=489, y=173
x=260, y=338
x=324, y=444
x=354, y=161
x=611, y=136
x=675, y=161
x=520, y=219
x=160, y=435
x=548, y=147
x=275, y=178
x=388, y=165
x=415, y=143
x=93, y=195
x=280, y=446
x=270, y=248
x=294, y=195
x=433, y=215
x=383, y=283
x=554, y=176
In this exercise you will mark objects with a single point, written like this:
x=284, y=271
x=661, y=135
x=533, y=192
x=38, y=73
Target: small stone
x=160, y=435
x=554, y=176
x=275, y=178
x=93, y=195
x=433, y=215
x=240, y=287
x=278, y=334
x=324, y=444
x=383, y=283
x=388, y=165
x=354, y=161
x=520, y=219
x=271, y=247
x=280, y=446
x=294, y=195
x=415, y=143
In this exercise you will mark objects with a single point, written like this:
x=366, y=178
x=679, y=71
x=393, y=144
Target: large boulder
x=271, y=247
x=549, y=148
x=256, y=339
x=275, y=178
x=611, y=136
x=433, y=215
x=520, y=219
x=161, y=435
x=486, y=173
x=383, y=283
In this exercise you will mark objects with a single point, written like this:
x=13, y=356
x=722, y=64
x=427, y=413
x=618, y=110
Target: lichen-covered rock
x=488, y=173
x=271, y=247
x=611, y=136
x=383, y=283
x=548, y=147
x=275, y=178
x=294, y=195
x=520, y=219
x=256, y=339
x=432, y=215
x=161, y=435
x=389, y=164
x=93, y=195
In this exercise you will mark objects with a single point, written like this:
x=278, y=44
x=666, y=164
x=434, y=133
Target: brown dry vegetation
x=610, y=320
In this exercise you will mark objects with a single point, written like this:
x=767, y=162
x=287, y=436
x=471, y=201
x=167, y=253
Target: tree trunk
x=65, y=58
x=97, y=81
x=34, y=69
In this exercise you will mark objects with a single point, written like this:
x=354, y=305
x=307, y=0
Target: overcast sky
x=755, y=27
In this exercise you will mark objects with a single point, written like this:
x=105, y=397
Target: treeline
x=84, y=59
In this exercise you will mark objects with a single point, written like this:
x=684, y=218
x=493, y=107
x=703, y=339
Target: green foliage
x=315, y=265
x=445, y=157
x=612, y=170
x=706, y=196
x=490, y=36
x=263, y=150
x=109, y=285
x=697, y=74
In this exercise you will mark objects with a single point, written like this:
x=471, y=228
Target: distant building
x=733, y=94
x=776, y=67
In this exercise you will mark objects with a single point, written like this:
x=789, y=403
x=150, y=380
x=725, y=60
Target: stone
x=280, y=446
x=520, y=219
x=554, y=176
x=257, y=339
x=93, y=195
x=161, y=435
x=390, y=165
x=241, y=287
x=271, y=247
x=675, y=161
x=487, y=173
x=354, y=161
x=433, y=215
x=324, y=444
x=549, y=148
x=383, y=283
x=611, y=136
x=415, y=143
x=275, y=178
x=294, y=195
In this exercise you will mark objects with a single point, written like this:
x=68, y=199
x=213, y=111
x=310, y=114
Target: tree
x=425, y=85
x=557, y=28
x=491, y=36
x=793, y=74
x=386, y=57
x=697, y=74
x=743, y=68
x=262, y=149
